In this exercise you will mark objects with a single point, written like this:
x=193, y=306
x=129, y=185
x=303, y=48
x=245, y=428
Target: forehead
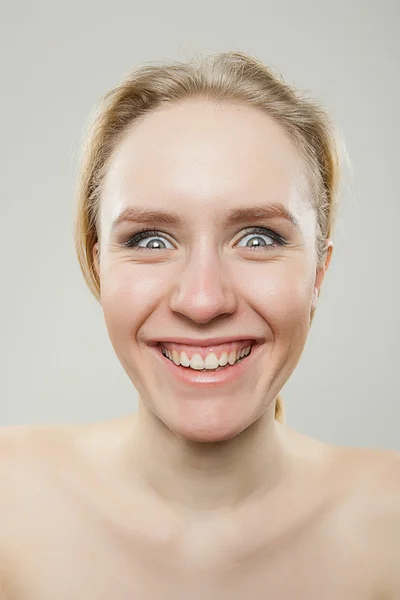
x=201, y=158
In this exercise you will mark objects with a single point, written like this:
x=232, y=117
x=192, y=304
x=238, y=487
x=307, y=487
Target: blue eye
x=258, y=234
x=156, y=240
x=152, y=239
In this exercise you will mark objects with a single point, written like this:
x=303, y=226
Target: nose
x=204, y=289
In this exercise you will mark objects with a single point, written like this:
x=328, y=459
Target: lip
x=205, y=342
x=206, y=378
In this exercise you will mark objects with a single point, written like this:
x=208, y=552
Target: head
x=244, y=170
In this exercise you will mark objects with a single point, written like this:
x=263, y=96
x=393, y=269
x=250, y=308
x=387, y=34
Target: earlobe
x=96, y=259
x=330, y=246
x=314, y=301
x=96, y=266
x=321, y=274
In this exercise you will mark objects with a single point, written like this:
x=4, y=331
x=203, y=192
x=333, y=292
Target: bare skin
x=203, y=494
x=71, y=526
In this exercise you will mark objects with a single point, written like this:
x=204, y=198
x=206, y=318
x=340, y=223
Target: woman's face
x=232, y=256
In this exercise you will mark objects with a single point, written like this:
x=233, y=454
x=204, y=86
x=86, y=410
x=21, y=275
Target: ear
x=320, y=274
x=96, y=259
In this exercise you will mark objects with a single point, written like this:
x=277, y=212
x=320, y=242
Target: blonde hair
x=227, y=76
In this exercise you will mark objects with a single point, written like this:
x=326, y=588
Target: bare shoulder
x=375, y=473
x=28, y=455
x=30, y=446
x=33, y=462
x=374, y=504
x=35, y=459
x=43, y=470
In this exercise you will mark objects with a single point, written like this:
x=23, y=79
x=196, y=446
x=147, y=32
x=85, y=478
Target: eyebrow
x=233, y=217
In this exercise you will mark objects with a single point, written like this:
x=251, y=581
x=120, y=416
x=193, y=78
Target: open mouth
x=213, y=361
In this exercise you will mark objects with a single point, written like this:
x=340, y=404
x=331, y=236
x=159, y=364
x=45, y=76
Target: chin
x=208, y=428
x=210, y=435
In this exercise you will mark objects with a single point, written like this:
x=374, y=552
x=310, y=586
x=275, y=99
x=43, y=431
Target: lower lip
x=209, y=377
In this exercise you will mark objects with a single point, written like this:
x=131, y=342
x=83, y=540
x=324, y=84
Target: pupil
x=256, y=241
x=155, y=244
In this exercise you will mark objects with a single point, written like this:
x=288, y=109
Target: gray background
x=57, y=59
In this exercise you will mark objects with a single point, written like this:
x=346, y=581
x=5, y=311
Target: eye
x=262, y=237
x=153, y=240
x=259, y=237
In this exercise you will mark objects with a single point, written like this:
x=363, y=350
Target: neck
x=212, y=476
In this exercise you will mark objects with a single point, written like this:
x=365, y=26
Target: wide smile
x=212, y=361
x=211, y=370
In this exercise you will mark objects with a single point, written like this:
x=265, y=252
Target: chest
x=72, y=555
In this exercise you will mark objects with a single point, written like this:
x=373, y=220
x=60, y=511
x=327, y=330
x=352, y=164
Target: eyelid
x=264, y=231
x=144, y=234
x=151, y=232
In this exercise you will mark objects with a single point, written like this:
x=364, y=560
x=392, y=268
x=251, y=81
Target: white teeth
x=224, y=359
x=210, y=363
x=197, y=362
x=185, y=362
x=232, y=357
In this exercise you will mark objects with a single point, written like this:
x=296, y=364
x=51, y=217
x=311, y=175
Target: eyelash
x=147, y=233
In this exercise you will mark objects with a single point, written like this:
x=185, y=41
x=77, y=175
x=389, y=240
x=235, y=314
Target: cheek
x=281, y=293
x=128, y=294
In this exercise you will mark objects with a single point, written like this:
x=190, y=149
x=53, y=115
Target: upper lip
x=205, y=341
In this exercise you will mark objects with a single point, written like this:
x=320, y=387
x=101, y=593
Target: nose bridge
x=204, y=288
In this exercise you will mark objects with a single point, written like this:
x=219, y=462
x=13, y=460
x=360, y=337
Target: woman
x=207, y=198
